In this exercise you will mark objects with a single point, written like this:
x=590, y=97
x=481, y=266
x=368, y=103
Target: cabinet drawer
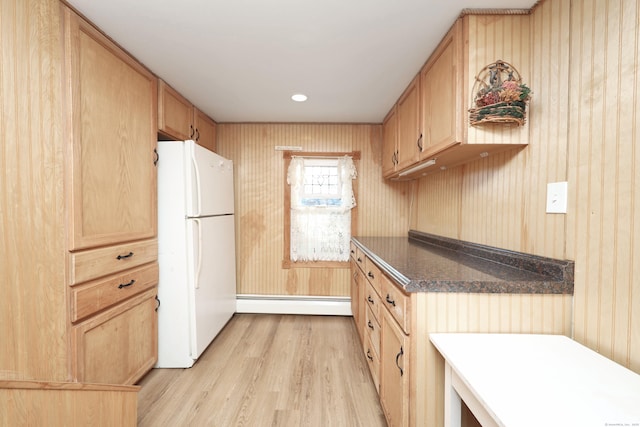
x=119, y=345
x=372, y=300
x=397, y=302
x=360, y=258
x=372, y=328
x=97, y=295
x=94, y=263
x=373, y=360
x=373, y=274
x=352, y=251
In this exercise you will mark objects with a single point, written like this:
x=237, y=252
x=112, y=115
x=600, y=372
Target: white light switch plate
x=557, y=197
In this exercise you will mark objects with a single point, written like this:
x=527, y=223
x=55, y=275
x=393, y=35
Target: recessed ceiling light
x=299, y=97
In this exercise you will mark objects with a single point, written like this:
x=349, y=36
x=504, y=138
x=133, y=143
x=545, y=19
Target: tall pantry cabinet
x=113, y=271
x=79, y=207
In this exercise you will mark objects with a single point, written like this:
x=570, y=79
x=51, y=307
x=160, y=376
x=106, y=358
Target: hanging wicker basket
x=499, y=96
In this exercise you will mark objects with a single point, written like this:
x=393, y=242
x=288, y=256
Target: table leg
x=452, y=401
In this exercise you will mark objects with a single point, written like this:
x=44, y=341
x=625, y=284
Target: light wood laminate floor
x=268, y=370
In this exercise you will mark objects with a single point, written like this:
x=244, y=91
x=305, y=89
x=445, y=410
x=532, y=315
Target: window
x=320, y=183
x=321, y=199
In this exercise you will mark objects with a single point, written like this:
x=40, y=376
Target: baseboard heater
x=288, y=304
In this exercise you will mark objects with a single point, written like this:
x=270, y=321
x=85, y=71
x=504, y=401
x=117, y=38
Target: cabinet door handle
x=370, y=299
x=398, y=357
x=370, y=274
x=420, y=142
x=369, y=355
x=158, y=301
x=370, y=325
x=390, y=301
x=124, y=285
x=359, y=259
x=129, y=255
x=156, y=157
x=197, y=135
x=192, y=131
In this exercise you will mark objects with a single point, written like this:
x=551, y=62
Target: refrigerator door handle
x=199, y=257
x=196, y=172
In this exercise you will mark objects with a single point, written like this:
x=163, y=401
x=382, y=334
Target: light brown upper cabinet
x=445, y=94
x=181, y=120
x=112, y=107
x=441, y=89
x=205, y=130
x=409, y=127
x=389, y=143
x=401, y=132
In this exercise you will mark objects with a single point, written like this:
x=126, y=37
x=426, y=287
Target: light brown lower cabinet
x=394, y=372
x=119, y=345
x=357, y=306
x=61, y=404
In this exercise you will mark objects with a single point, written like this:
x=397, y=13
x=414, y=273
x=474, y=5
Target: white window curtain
x=321, y=232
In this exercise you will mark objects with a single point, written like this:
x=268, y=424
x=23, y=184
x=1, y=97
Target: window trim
x=286, y=256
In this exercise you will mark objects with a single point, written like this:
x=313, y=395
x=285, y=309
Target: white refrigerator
x=196, y=250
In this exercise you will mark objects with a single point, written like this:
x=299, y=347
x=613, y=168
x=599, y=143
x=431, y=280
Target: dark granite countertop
x=427, y=263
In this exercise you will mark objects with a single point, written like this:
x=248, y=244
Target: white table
x=520, y=380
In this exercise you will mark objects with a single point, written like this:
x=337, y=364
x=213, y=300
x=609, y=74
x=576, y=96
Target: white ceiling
x=241, y=60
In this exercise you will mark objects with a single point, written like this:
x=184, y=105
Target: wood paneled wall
x=383, y=206
x=32, y=236
x=603, y=233
x=584, y=118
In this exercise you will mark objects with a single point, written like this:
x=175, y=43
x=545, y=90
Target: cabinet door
x=205, y=130
x=389, y=140
x=394, y=372
x=119, y=345
x=441, y=95
x=356, y=297
x=409, y=134
x=175, y=113
x=112, y=104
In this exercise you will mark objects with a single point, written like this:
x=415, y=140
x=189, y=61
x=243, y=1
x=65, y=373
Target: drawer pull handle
x=370, y=325
x=129, y=255
x=398, y=357
x=359, y=259
x=370, y=274
x=370, y=299
x=124, y=285
x=390, y=301
x=369, y=355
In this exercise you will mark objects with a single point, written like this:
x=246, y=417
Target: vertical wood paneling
x=260, y=186
x=32, y=274
x=462, y=312
x=584, y=118
x=603, y=231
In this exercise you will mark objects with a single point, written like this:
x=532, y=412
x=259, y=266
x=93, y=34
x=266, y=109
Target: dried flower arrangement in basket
x=500, y=96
